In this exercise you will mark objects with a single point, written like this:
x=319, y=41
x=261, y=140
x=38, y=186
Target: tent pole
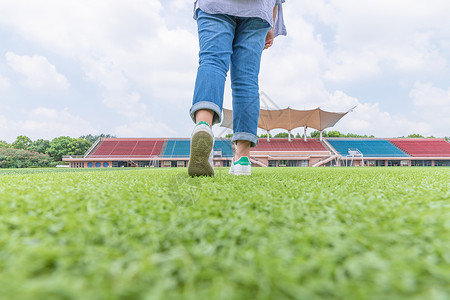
x=321, y=136
x=305, y=133
x=268, y=135
x=289, y=135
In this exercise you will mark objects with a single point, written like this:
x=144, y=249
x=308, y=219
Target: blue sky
x=128, y=67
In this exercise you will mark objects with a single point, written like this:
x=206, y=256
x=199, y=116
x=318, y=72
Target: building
x=174, y=152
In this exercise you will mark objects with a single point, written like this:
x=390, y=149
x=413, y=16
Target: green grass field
x=283, y=233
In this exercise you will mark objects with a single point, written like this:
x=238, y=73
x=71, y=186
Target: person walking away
x=232, y=36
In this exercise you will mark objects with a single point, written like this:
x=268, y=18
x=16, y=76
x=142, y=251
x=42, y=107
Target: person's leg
x=242, y=149
x=204, y=115
x=216, y=34
x=245, y=65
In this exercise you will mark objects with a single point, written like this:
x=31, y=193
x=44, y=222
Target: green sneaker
x=242, y=167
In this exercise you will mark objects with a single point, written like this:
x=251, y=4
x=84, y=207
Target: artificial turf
x=282, y=233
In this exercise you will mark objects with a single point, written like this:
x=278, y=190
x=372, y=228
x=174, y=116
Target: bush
x=16, y=158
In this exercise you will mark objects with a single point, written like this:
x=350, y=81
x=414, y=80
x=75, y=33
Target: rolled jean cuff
x=207, y=105
x=245, y=136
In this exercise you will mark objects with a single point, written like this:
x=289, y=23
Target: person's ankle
x=203, y=122
x=244, y=158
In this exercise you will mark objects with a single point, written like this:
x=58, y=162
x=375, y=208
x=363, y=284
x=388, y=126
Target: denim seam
x=206, y=105
x=245, y=136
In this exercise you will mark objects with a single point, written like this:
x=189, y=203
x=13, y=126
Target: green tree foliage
x=22, y=142
x=92, y=138
x=4, y=144
x=316, y=134
x=65, y=145
x=265, y=135
x=40, y=146
x=415, y=135
x=336, y=134
x=78, y=147
x=283, y=135
x=18, y=158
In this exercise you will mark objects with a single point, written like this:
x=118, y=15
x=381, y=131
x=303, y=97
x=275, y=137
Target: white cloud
x=145, y=127
x=39, y=73
x=45, y=123
x=125, y=48
x=116, y=90
x=49, y=123
x=432, y=105
x=365, y=39
x=370, y=119
x=360, y=43
x=4, y=83
x=141, y=61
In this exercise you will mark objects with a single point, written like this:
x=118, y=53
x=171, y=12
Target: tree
x=39, y=146
x=4, y=144
x=65, y=145
x=58, y=147
x=415, y=135
x=22, y=142
x=333, y=134
x=316, y=134
x=78, y=147
x=265, y=135
x=92, y=138
x=283, y=135
x=17, y=158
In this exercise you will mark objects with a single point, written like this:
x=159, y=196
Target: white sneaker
x=242, y=167
x=201, y=158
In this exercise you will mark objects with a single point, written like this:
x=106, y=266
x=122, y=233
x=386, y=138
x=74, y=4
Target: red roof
x=277, y=144
x=423, y=147
x=128, y=147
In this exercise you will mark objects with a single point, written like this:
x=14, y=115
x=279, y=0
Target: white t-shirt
x=246, y=8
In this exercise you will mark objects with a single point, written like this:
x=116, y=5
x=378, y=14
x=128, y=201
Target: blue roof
x=369, y=148
x=225, y=146
x=178, y=148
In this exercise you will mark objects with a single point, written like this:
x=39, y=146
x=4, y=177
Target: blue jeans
x=228, y=40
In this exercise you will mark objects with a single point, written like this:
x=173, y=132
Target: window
x=293, y=163
x=304, y=163
x=143, y=164
x=105, y=165
x=119, y=164
x=442, y=163
x=393, y=163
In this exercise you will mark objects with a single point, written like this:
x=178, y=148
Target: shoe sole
x=201, y=146
x=241, y=173
x=241, y=170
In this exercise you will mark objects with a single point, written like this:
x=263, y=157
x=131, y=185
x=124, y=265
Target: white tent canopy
x=289, y=119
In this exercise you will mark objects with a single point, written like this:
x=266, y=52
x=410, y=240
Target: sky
x=127, y=68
